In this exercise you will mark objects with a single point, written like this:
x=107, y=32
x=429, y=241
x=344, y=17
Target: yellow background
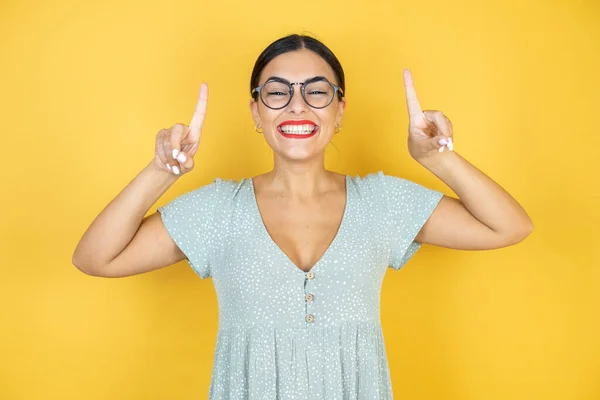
x=86, y=86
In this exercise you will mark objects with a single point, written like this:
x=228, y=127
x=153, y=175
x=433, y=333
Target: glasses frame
x=337, y=91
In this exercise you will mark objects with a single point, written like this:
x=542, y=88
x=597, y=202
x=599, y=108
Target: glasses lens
x=318, y=94
x=275, y=94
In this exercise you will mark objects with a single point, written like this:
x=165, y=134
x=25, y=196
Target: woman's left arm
x=485, y=216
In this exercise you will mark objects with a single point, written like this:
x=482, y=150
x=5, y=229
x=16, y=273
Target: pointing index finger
x=412, y=102
x=200, y=112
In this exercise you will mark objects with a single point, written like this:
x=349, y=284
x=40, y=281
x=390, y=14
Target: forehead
x=297, y=66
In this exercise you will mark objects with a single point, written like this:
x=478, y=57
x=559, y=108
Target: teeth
x=298, y=129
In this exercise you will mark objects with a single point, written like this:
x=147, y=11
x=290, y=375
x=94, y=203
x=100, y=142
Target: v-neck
x=272, y=243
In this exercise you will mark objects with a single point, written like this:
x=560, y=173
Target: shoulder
x=366, y=183
x=394, y=192
x=378, y=183
x=381, y=182
x=209, y=197
x=218, y=188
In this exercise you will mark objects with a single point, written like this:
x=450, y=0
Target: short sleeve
x=190, y=220
x=408, y=206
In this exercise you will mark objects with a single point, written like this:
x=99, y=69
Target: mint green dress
x=288, y=334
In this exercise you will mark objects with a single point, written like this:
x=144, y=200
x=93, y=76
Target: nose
x=297, y=103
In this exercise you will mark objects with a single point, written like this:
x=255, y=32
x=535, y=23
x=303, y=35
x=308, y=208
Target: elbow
x=77, y=263
x=83, y=266
x=521, y=232
x=526, y=229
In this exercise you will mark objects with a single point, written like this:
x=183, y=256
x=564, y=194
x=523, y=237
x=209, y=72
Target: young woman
x=298, y=254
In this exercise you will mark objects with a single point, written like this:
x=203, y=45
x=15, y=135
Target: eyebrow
x=314, y=78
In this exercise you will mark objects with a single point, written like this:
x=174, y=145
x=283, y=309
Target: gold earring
x=339, y=129
x=256, y=129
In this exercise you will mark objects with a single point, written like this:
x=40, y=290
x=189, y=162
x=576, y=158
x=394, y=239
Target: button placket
x=309, y=297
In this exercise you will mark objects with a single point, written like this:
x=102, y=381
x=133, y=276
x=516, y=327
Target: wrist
x=440, y=162
x=160, y=175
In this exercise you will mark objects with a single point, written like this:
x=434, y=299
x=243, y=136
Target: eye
x=276, y=94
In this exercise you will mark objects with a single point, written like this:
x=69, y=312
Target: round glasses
x=277, y=93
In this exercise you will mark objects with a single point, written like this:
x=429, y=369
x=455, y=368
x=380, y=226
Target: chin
x=299, y=151
x=297, y=156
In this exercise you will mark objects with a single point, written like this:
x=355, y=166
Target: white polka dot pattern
x=285, y=334
x=409, y=205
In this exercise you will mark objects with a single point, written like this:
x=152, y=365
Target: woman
x=297, y=255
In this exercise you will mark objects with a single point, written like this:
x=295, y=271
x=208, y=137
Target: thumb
x=439, y=143
x=188, y=162
x=436, y=143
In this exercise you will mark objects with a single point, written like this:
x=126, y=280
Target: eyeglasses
x=317, y=92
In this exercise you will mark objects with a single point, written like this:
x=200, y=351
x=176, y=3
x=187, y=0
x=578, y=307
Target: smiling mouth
x=298, y=131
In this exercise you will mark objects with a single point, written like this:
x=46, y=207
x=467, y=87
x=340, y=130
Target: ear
x=254, y=111
x=341, y=108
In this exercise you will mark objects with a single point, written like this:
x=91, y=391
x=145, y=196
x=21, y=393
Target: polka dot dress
x=288, y=334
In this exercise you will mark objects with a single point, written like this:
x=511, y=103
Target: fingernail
x=175, y=151
x=176, y=170
x=181, y=158
x=443, y=141
x=441, y=149
x=450, y=144
x=168, y=166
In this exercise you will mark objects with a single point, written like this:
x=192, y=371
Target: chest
x=303, y=231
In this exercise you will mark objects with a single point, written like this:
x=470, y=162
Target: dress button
x=310, y=318
x=309, y=297
x=310, y=275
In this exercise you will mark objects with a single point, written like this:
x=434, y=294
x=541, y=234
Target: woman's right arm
x=121, y=241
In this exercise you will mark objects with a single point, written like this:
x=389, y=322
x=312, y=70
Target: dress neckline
x=272, y=243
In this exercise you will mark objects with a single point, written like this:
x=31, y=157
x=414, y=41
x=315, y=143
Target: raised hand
x=428, y=131
x=176, y=146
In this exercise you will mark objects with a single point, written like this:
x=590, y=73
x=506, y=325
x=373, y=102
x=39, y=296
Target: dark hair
x=292, y=43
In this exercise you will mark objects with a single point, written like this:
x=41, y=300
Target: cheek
x=327, y=118
x=267, y=116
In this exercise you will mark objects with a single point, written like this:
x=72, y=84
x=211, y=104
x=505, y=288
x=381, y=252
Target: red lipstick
x=297, y=135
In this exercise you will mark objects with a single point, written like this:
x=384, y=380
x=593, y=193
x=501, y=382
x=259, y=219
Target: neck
x=296, y=179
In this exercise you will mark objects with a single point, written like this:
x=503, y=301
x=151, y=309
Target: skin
x=301, y=203
x=298, y=157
